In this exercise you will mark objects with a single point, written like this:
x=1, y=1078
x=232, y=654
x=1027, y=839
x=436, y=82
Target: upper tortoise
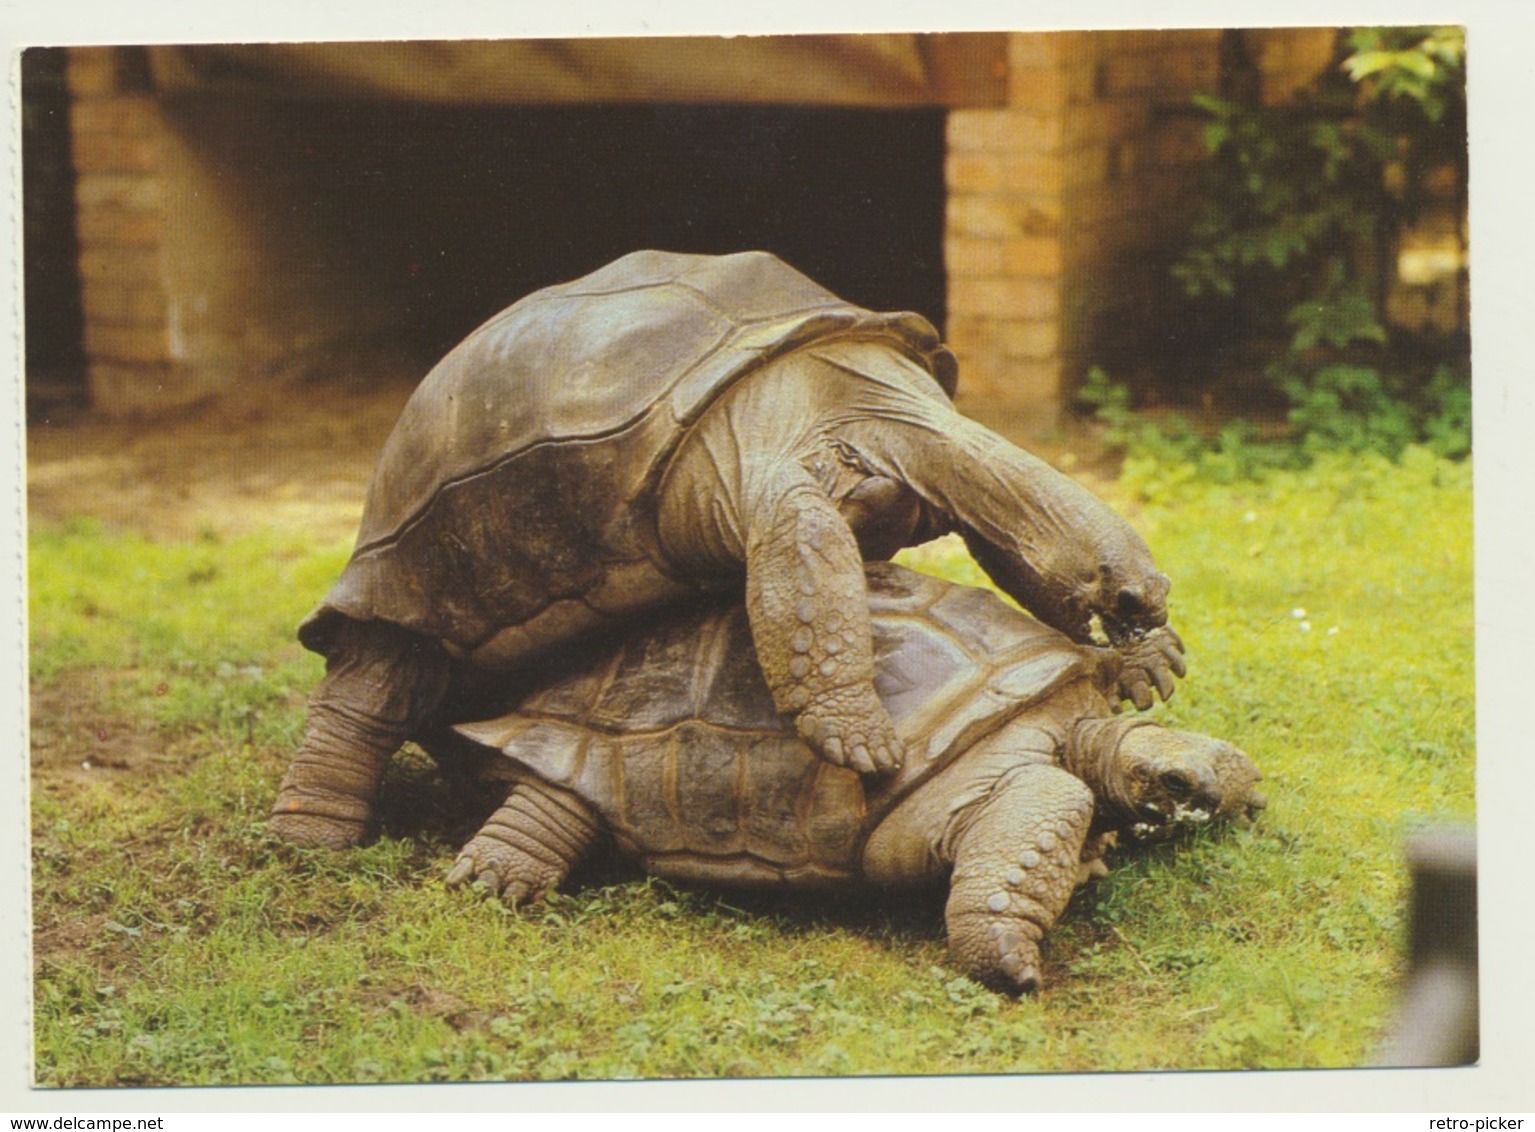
x=652, y=431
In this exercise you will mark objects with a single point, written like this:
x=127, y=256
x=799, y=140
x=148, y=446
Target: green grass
x=177, y=944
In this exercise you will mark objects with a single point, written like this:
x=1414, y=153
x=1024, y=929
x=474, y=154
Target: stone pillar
x=119, y=140
x=1005, y=176
x=1058, y=202
x=1131, y=151
x=1291, y=58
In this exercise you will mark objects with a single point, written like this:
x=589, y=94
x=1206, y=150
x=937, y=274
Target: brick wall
x=119, y=139
x=1130, y=154
x=1061, y=201
x=205, y=259
x=1289, y=58
x=1003, y=250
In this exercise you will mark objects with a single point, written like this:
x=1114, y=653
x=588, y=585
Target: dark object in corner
x=1437, y=1018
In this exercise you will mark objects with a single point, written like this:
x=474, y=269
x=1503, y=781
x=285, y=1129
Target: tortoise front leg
x=529, y=845
x=808, y=604
x=380, y=682
x=1017, y=857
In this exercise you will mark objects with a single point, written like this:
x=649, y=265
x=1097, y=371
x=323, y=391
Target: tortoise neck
x=1092, y=754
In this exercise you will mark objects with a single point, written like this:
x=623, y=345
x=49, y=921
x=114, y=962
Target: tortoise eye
x=1177, y=784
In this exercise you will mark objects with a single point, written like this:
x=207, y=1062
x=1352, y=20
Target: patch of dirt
x=299, y=455
x=77, y=741
x=428, y=1001
x=61, y=940
x=296, y=456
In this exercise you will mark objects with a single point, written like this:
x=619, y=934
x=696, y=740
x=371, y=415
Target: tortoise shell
x=673, y=739
x=522, y=471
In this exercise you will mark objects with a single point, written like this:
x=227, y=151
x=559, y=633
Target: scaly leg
x=380, y=683
x=808, y=604
x=529, y=845
x=1017, y=857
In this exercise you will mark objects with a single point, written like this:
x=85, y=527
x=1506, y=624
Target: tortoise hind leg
x=380, y=682
x=529, y=845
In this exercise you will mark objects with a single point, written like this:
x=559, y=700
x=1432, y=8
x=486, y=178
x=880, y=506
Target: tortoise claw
x=1023, y=975
x=469, y=873
x=1152, y=662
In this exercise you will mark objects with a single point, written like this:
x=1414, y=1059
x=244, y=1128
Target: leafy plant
x=1420, y=68
x=1165, y=452
x=1290, y=253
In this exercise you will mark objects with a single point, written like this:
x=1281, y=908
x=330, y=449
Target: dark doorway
x=429, y=219
x=55, y=358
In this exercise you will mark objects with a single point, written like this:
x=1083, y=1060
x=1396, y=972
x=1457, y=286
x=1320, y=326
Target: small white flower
x=1250, y=517
x=1305, y=626
x=1333, y=632
x=1298, y=613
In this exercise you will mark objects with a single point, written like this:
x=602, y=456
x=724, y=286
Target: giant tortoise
x=649, y=434
x=1018, y=773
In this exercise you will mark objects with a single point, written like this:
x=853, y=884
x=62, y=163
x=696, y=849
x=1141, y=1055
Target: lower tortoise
x=1019, y=776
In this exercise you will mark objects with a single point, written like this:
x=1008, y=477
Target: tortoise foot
x=298, y=826
x=850, y=727
x=501, y=871
x=528, y=846
x=1008, y=961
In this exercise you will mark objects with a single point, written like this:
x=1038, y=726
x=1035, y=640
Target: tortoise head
x=1156, y=781
x=1098, y=577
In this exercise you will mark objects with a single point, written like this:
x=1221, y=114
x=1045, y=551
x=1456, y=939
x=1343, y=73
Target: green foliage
x=1162, y=454
x=1341, y=316
x=1447, y=416
x=1357, y=409
x=1341, y=408
x=1291, y=250
x=1421, y=68
x=176, y=944
x=1288, y=193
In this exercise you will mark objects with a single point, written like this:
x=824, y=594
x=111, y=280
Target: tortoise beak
x=1118, y=632
x=1137, y=609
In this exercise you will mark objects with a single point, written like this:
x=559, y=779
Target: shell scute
x=972, y=616
x=779, y=773
x=653, y=685
x=709, y=769
x=644, y=806
x=731, y=688
x=916, y=668
x=552, y=750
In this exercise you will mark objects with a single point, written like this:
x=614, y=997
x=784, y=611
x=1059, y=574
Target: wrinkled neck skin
x=1092, y=754
x=1058, y=550
x=873, y=431
x=793, y=411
